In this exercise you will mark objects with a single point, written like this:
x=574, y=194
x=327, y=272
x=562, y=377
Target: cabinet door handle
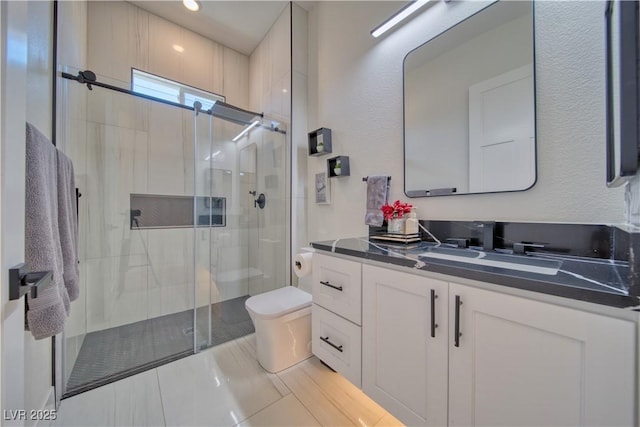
x=339, y=288
x=457, y=333
x=337, y=347
x=434, y=325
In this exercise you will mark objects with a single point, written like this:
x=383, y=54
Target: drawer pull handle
x=337, y=347
x=339, y=288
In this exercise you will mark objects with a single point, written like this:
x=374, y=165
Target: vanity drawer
x=337, y=286
x=338, y=343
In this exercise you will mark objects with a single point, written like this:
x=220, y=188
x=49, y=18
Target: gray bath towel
x=377, y=195
x=48, y=312
x=68, y=225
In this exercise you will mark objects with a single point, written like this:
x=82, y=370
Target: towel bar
x=366, y=178
x=21, y=282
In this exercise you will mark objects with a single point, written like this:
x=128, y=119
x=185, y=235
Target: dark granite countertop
x=586, y=279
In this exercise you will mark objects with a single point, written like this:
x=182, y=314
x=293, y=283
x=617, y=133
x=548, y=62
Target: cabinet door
x=522, y=362
x=404, y=367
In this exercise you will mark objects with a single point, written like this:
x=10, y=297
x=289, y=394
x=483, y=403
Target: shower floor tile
x=115, y=353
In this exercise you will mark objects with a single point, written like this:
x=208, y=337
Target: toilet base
x=283, y=342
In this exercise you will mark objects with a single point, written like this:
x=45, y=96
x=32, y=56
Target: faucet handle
x=488, y=234
x=461, y=243
x=520, y=247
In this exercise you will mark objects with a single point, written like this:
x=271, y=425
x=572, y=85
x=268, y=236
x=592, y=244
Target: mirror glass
x=469, y=106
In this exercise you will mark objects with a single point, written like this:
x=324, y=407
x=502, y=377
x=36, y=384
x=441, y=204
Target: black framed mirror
x=622, y=32
x=469, y=106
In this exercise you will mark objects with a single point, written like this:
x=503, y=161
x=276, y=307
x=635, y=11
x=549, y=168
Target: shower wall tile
x=280, y=45
x=117, y=109
x=257, y=69
x=74, y=97
x=281, y=99
x=299, y=40
x=199, y=61
x=76, y=322
x=170, y=155
x=233, y=272
x=171, y=299
x=164, y=60
x=117, y=158
x=298, y=134
x=118, y=38
x=236, y=78
x=170, y=257
x=171, y=271
x=72, y=34
x=121, y=297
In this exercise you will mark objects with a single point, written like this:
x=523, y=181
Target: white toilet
x=282, y=319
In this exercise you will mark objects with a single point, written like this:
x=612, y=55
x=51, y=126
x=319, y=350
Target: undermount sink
x=511, y=262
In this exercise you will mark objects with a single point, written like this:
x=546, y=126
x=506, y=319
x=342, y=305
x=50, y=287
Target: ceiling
x=240, y=25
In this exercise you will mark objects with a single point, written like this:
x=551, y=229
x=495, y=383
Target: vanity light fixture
x=192, y=5
x=398, y=17
x=247, y=129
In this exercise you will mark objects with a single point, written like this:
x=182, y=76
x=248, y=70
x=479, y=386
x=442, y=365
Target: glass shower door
x=242, y=254
x=134, y=169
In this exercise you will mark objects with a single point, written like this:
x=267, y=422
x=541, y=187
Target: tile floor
x=225, y=386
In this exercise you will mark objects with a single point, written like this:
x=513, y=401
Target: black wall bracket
x=21, y=282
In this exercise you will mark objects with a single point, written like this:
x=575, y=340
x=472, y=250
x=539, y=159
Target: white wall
x=356, y=90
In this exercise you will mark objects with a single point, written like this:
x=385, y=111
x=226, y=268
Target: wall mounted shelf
x=338, y=166
x=320, y=142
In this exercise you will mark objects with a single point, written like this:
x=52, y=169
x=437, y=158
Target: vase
x=396, y=225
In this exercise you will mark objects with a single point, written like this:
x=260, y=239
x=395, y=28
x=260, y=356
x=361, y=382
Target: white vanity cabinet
x=525, y=362
x=515, y=361
x=336, y=317
x=405, y=344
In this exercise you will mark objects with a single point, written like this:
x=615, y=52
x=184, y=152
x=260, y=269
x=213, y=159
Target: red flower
x=397, y=210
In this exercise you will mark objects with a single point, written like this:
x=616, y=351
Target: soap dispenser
x=411, y=225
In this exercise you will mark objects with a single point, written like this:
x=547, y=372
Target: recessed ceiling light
x=178, y=48
x=192, y=5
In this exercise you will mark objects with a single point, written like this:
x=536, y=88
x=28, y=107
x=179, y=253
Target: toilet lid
x=278, y=302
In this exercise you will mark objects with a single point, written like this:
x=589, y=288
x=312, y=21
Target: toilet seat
x=278, y=302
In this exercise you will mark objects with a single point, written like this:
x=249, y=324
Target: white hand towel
x=68, y=224
x=377, y=196
x=47, y=313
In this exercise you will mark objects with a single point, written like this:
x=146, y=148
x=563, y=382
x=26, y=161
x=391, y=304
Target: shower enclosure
x=180, y=220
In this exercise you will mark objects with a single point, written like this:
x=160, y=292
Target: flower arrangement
x=397, y=210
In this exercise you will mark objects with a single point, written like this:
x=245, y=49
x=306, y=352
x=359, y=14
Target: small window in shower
x=170, y=90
